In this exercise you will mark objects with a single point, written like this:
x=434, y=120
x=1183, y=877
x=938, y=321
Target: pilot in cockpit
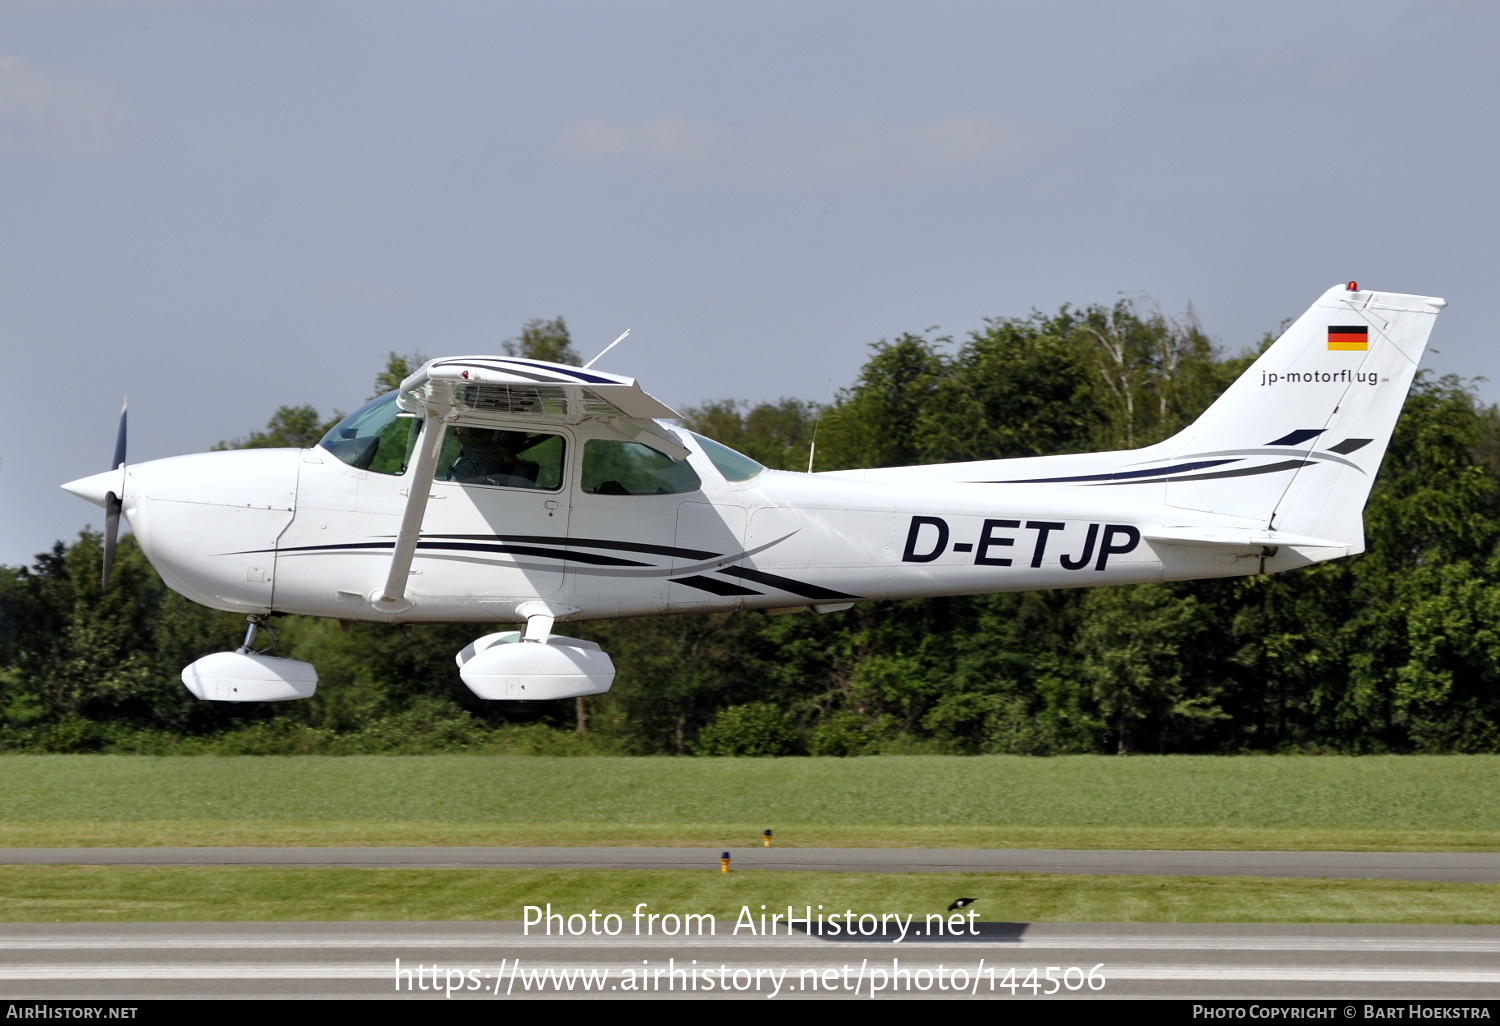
x=491, y=457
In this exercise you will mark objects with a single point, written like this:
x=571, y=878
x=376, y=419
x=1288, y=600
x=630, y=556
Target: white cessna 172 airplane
x=497, y=489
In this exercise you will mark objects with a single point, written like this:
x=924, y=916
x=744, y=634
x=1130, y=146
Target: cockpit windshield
x=374, y=438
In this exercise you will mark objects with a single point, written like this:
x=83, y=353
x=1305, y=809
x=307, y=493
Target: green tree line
x=1391, y=651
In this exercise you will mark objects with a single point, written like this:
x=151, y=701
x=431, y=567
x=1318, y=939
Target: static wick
x=606, y=349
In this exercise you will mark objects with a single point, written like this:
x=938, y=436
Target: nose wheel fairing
x=250, y=677
x=246, y=675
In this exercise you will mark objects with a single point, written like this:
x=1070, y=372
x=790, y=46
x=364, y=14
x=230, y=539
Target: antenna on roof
x=606, y=349
x=812, y=449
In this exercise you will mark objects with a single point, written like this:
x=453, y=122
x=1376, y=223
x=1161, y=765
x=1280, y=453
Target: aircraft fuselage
x=300, y=531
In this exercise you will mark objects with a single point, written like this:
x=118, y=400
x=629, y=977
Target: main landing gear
x=529, y=665
x=534, y=664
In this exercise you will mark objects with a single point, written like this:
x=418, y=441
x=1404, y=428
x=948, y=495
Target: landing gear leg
x=539, y=619
x=254, y=622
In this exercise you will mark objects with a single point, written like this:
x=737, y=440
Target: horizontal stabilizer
x=1236, y=537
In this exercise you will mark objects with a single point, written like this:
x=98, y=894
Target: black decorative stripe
x=811, y=591
x=1300, y=435
x=527, y=375
x=571, y=372
x=592, y=558
x=509, y=365
x=544, y=539
x=1349, y=445
x=714, y=586
x=1274, y=468
x=515, y=550
x=1124, y=475
x=593, y=543
x=324, y=548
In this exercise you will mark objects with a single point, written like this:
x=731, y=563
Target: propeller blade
x=119, y=459
x=111, y=534
x=113, y=502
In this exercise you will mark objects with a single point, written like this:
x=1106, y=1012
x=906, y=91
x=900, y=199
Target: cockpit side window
x=508, y=459
x=630, y=468
x=374, y=438
x=735, y=466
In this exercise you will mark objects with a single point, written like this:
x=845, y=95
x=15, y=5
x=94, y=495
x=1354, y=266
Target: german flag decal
x=1354, y=338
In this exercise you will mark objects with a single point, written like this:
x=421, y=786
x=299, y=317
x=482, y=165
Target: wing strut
x=393, y=596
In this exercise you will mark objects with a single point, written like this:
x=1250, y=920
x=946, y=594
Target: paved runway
x=1466, y=867
x=496, y=961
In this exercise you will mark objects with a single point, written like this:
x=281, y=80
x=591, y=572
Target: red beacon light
x=1353, y=286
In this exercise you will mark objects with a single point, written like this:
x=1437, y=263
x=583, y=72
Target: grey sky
x=220, y=207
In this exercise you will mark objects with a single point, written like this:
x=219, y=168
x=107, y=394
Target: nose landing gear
x=246, y=675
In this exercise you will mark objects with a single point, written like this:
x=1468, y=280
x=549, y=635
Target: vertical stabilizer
x=1293, y=445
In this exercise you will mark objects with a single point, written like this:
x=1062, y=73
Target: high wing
x=480, y=389
x=474, y=389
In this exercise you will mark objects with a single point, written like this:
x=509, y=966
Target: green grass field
x=92, y=894
x=1413, y=803
x=1395, y=802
